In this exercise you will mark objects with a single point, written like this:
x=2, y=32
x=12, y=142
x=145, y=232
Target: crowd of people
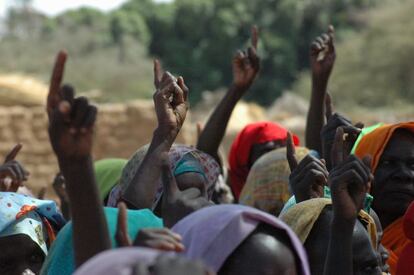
x=341, y=203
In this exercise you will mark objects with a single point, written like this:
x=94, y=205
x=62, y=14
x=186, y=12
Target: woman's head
x=267, y=186
x=27, y=229
x=311, y=220
x=392, y=149
x=191, y=168
x=267, y=250
x=228, y=237
x=251, y=143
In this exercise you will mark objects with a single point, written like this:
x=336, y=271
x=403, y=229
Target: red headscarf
x=252, y=134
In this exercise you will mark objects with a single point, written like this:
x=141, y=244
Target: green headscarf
x=108, y=172
x=61, y=259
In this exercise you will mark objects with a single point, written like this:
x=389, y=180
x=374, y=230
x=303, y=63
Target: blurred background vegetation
x=111, y=53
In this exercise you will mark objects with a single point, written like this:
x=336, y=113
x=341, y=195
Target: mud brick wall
x=121, y=129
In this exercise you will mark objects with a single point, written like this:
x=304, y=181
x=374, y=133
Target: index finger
x=54, y=97
x=291, y=153
x=254, y=36
x=157, y=73
x=338, y=147
x=328, y=106
x=169, y=184
x=13, y=153
x=121, y=234
x=331, y=33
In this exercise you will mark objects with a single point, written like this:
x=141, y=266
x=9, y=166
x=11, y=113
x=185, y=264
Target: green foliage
x=195, y=39
x=375, y=67
x=200, y=38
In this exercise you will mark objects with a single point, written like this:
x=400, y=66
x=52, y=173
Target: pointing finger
x=291, y=153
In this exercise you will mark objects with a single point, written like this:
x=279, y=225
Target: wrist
x=238, y=89
x=319, y=84
x=69, y=164
x=165, y=134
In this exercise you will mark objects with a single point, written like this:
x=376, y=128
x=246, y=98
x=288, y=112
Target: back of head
x=212, y=234
x=267, y=186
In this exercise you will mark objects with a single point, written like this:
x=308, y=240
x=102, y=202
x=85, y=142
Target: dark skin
x=12, y=173
x=349, y=181
x=364, y=258
x=19, y=253
x=309, y=177
x=170, y=115
x=335, y=121
x=71, y=125
x=156, y=238
x=260, y=149
x=266, y=251
x=245, y=66
x=393, y=187
x=322, y=59
x=59, y=187
x=176, y=203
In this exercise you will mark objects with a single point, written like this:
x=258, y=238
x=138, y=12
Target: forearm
x=316, y=118
x=90, y=232
x=141, y=192
x=215, y=128
x=339, y=255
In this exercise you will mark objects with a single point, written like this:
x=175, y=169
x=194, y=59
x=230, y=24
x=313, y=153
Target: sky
x=53, y=7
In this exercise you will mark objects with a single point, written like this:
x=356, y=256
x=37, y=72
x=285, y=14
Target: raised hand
x=308, y=178
x=335, y=121
x=177, y=204
x=322, y=55
x=246, y=64
x=170, y=99
x=12, y=173
x=121, y=235
x=71, y=120
x=349, y=180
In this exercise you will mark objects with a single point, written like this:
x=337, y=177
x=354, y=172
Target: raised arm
x=307, y=178
x=322, y=59
x=245, y=68
x=349, y=181
x=71, y=124
x=171, y=115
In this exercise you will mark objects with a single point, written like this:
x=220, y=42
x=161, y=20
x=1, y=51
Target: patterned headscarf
x=267, y=186
x=38, y=219
x=208, y=165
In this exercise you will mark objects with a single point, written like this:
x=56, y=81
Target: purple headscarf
x=118, y=261
x=213, y=233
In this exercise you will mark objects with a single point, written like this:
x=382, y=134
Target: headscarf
x=184, y=156
x=213, y=233
x=255, y=133
x=375, y=142
x=302, y=217
x=405, y=265
x=37, y=219
x=119, y=261
x=364, y=132
x=60, y=260
x=108, y=172
x=267, y=186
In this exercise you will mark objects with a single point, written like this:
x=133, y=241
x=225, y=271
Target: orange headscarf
x=405, y=265
x=252, y=134
x=374, y=144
